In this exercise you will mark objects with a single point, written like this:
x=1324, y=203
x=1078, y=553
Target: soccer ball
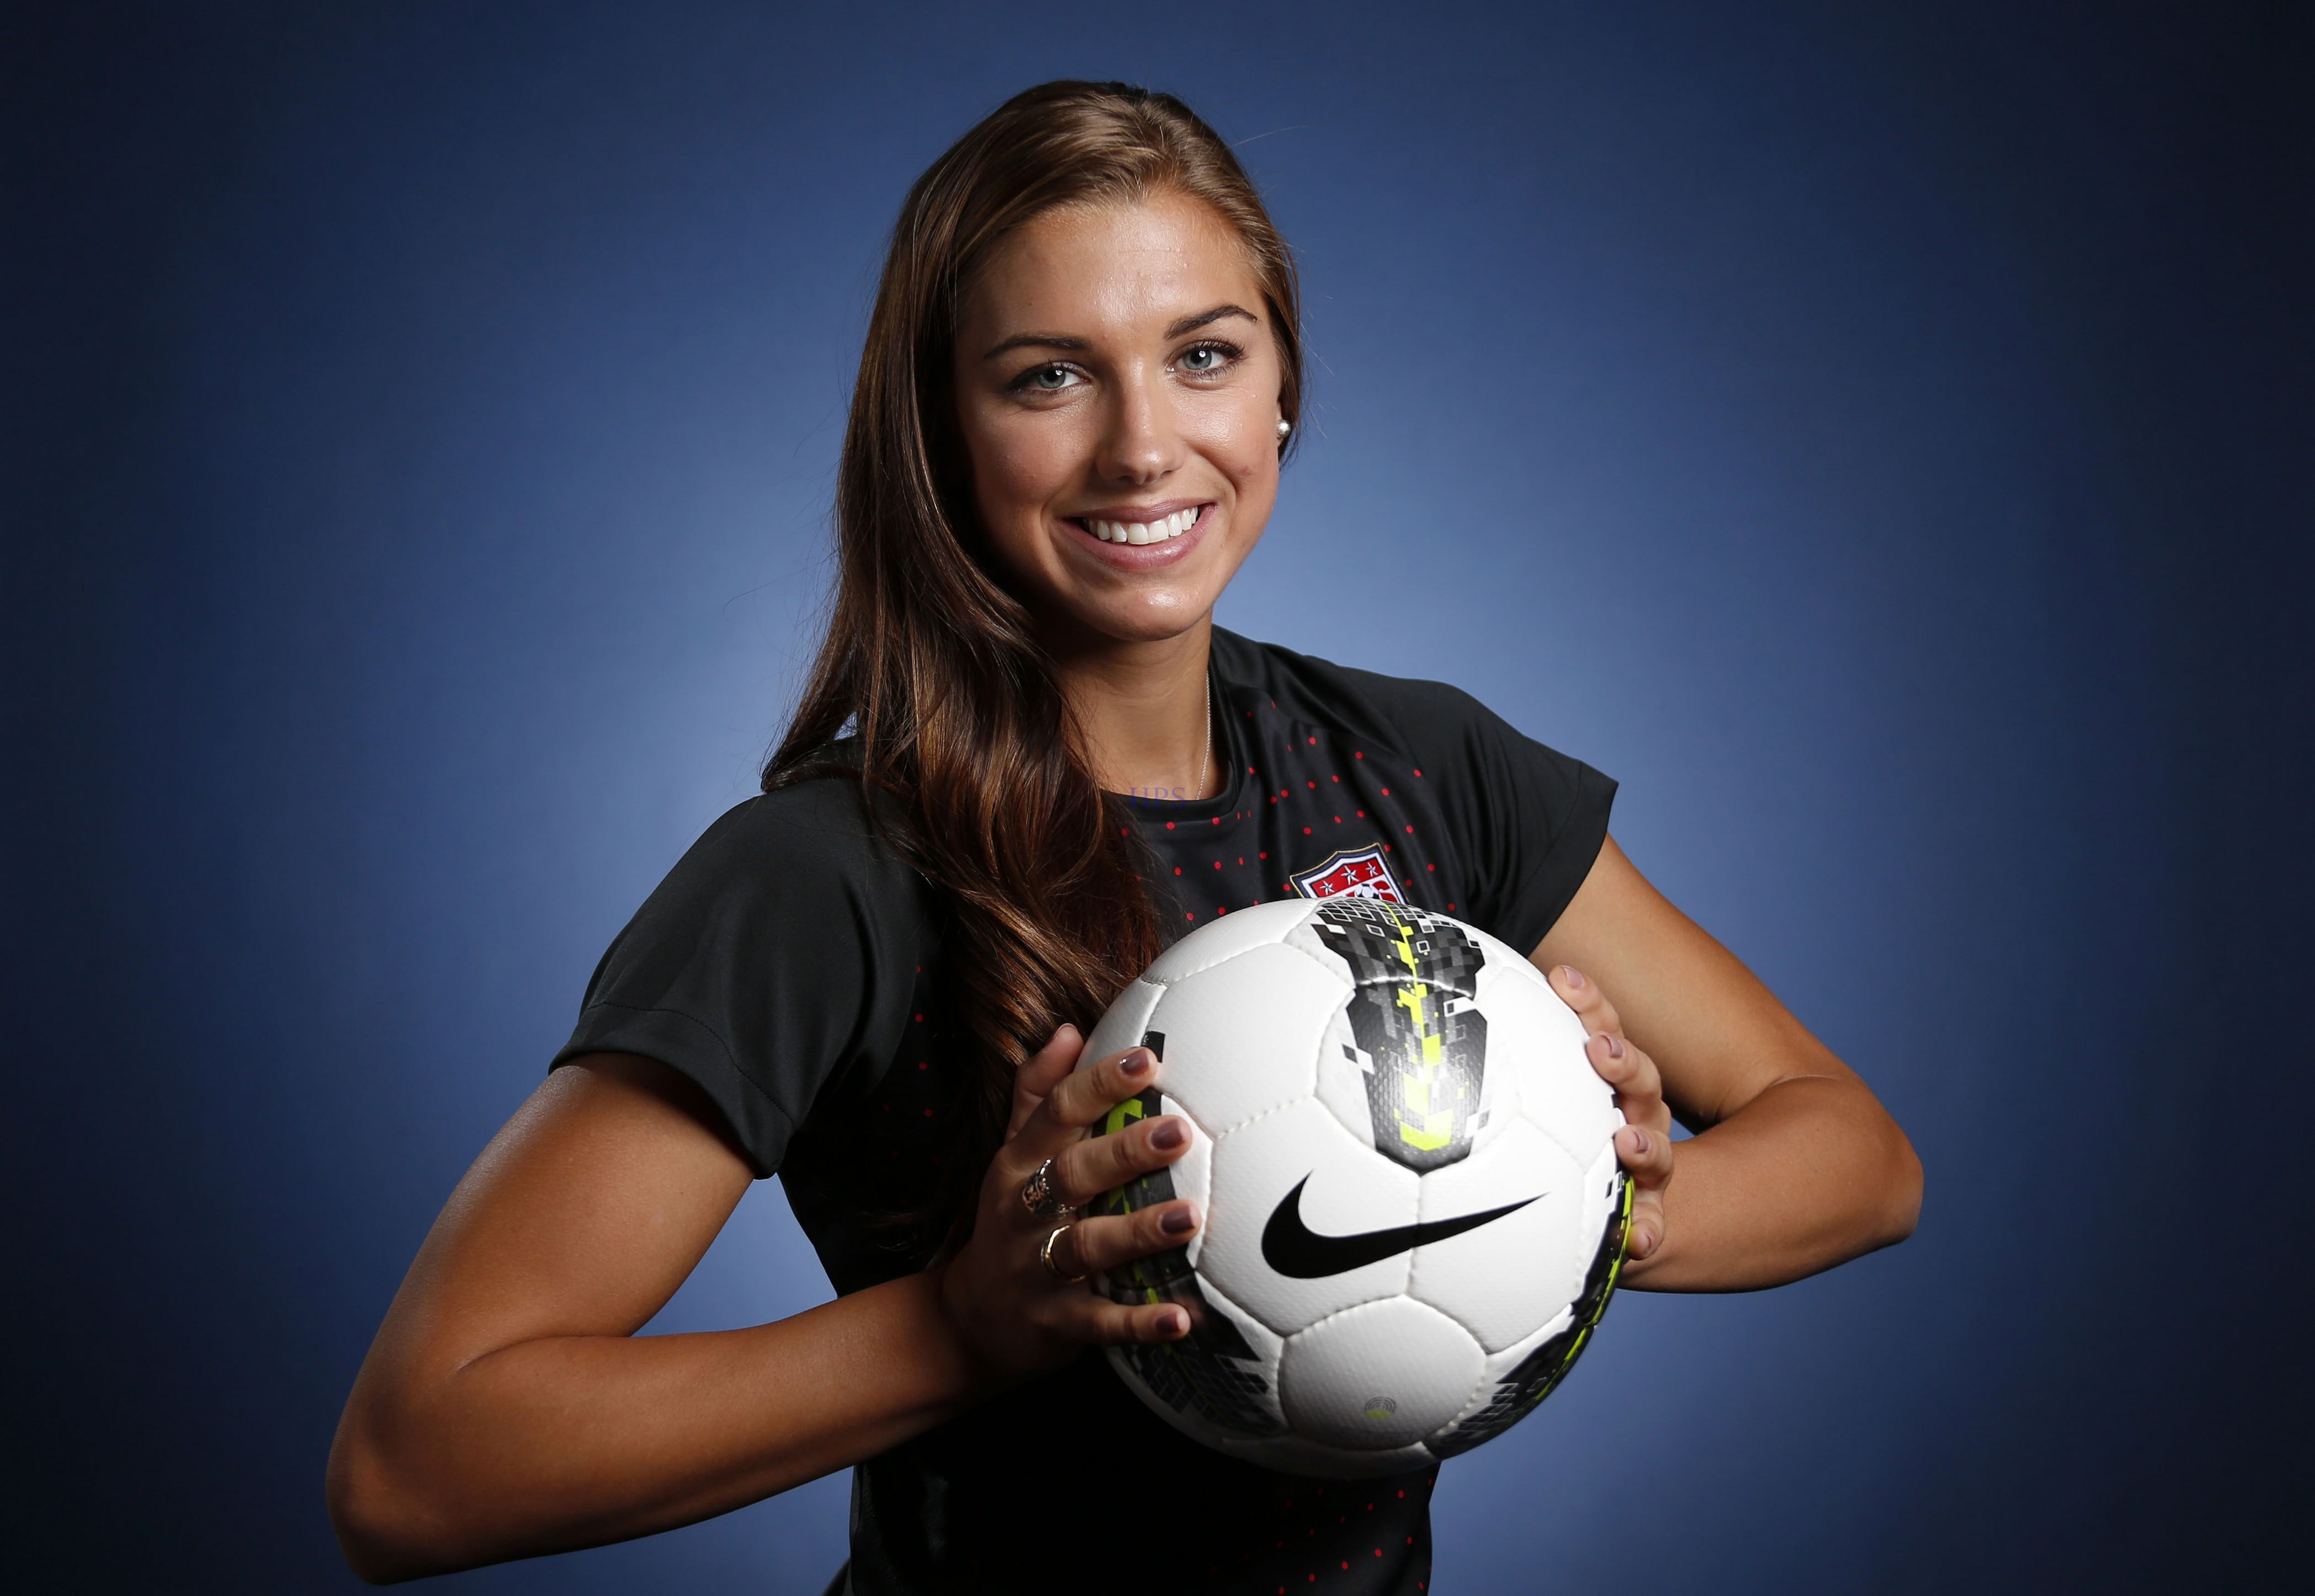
x=1414, y=1213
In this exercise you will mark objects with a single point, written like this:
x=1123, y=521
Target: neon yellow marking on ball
x=1130, y=1109
x=1423, y=1124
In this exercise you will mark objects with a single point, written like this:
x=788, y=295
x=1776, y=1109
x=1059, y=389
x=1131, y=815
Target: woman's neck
x=1145, y=715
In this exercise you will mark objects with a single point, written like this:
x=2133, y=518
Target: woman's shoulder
x=810, y=834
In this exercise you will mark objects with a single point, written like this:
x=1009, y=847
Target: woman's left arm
x=1795, y=1167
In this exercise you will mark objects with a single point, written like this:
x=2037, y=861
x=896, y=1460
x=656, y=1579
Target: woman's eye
x=1207, y=359
x=1051, y=379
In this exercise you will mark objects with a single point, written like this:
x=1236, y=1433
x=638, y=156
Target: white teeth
x=1143, y=532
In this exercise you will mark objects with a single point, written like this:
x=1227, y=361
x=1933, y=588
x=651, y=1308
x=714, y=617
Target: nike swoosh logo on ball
x=1299, y=1253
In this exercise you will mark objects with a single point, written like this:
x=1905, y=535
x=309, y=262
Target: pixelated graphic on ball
x=1415, y=1216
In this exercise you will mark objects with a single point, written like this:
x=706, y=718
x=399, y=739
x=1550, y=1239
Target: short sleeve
x=1529, y=819
x=777, y=955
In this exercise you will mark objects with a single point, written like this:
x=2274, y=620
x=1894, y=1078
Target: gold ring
x=1045, y=1254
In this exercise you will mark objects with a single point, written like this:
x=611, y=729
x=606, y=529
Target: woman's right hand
x=1018, y=1316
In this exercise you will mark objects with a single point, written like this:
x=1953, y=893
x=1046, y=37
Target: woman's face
x=1117, y=385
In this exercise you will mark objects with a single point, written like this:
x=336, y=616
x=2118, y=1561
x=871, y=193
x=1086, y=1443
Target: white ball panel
x=1379, y=1377
x=1510, y=1056
x=1510, y=1274
x=1342, y=1071
x=1499, y=1366
x=1220, y=940
x=1304, y=935
x=1241, y=1037
x=1506, y=966
x=1512, y=1043
x=1501, y=1363
x=1122, y=1026
x=1560, y=1093
x=1602, y=1197
x=1349, y=1189
x=1193, y=1172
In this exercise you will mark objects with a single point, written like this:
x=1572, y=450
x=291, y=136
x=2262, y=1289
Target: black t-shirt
x=790, y=964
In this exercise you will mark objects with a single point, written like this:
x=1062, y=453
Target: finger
x=1104, y=1163
x=1086, y=1095
x=1104, y=1322
x=1093, y=1245
x=1631, y=1074
x=1044, y=1070
x=1647, y=1225
x=1647, y=1157
x=1582, y=994
x=1059, y=1122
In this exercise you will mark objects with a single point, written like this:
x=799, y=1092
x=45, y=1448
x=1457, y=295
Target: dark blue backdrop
x=1878, y=435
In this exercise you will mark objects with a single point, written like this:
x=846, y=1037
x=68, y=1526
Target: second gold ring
x=1045, y=1253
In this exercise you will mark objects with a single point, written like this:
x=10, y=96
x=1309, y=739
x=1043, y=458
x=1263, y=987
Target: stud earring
x=1284, y=428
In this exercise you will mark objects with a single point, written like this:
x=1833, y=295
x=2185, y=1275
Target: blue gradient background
x=1878, y=437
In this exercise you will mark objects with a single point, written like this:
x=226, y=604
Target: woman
x=1082, y=373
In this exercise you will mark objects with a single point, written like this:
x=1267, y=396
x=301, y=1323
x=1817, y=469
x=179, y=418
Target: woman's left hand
x=1644, y=1146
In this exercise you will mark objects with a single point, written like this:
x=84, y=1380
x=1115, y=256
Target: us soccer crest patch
x=1364, y=873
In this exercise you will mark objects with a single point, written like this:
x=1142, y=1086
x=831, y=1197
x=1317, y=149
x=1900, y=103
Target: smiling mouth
x=1162, y=530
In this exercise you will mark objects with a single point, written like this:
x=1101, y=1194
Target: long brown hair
x=971, y=764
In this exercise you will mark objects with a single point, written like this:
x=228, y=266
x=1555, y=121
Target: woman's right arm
x=508, y=1409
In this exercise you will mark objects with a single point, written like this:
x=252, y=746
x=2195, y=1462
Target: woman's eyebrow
x=1063, y=341
x=1192, y=323
x=1055, y=341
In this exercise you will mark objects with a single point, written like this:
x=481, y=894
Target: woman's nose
x=1140, y=444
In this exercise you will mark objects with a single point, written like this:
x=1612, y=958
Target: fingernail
x=1139, y=1060
x=1639, y=1142
x=1168, y=1136
x=1615, y=1044
x=1574, y=975
x=1645, y=1243
x=1178, y=1221
x=1174, y=1321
